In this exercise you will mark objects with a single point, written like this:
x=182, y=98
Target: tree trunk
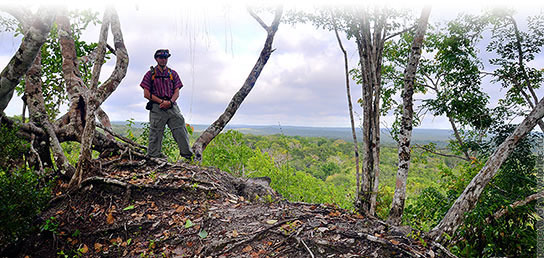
x=468, y=199
x=350, y=107
x=370, y=46
x=214, y=129
x=38, y=114
x=405, y=136
x=18, y=66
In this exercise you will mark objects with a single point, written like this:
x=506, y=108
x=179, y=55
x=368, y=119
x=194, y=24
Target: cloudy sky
x=213, y=48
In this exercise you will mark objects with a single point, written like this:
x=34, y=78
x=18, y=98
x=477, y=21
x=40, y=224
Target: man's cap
x=162, y=53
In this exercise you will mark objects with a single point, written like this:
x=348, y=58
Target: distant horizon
x=277, y=125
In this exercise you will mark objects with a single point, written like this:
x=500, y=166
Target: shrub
x=21, y=198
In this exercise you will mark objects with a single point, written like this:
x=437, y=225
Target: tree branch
x=100, y=50
x=121, y=65
x=525, y=201
x=22, y=60
x=257, y=18
x=440, y=154
x=399, y=32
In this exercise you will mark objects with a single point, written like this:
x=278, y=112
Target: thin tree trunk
x=458, y=136
x=18, y=66
x=524, y=72
x=350, y=107
x=405, y=137
x=214, y=129
x=468, y=199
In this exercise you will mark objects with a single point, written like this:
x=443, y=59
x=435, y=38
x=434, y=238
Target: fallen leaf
x=395, y=242
x=247, y=249
x=131, y=207
x=203, y=234
x=84, y=249
x=180, y=209
x=334, y=214
x=188, y=223
x=271, y=221
x=97, y=247
x=235, y=233
x=109, y=218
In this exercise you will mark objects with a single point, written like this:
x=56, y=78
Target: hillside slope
x=149, y=208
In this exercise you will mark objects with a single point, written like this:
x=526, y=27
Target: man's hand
x=165, y=104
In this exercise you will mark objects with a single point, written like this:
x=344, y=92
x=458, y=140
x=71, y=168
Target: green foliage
x=298, y=186
x=22, y=197
x=514, y=48
x=12, y=148
x=53, y=84
x=514, y=234
x=228, y=152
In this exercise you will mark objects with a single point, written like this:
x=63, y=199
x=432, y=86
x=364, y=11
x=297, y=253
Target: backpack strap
x=152, y=70
x=153, y=76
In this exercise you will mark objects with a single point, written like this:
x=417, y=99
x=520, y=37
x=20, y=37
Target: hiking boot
x=160, y=156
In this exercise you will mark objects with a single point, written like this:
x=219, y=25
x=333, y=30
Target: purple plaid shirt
x=162, y=87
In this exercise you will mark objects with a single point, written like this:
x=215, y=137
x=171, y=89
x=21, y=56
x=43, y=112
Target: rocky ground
x=149, y=208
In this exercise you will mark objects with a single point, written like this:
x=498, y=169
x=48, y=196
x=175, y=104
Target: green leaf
x=189, y=223
x=131, y=207
x=203, y=234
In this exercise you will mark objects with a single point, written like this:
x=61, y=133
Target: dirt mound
x=147, y=208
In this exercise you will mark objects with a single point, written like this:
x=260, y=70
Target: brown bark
x=405, y=137
x=350, y=107
x=214, y=129
x=468, y=199
x=35, y=35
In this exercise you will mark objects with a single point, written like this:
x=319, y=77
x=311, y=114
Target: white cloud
x=214, y=49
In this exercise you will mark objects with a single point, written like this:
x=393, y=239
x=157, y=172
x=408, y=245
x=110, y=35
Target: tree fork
x=214, y=129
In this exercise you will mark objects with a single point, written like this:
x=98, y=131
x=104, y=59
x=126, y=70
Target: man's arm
x=152, y=97
x=175, y=96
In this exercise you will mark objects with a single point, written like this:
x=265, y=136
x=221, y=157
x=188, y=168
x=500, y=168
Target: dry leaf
x=97, y=247
x=84, y=249
x=247, y=249
x=235, y=233
x=271, y=221
x=180, y=209
x=395, y=242
x=110, y=218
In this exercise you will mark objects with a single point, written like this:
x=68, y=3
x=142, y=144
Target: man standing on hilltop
x=161, y=86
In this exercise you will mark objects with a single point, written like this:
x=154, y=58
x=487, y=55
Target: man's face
x=161, y=61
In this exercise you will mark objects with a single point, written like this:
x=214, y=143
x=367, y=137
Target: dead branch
x=440, y=154
x=258, y=234
x=125, y=139
x=115, y=182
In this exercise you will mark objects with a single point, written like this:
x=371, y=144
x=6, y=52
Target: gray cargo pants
x=158, y=119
